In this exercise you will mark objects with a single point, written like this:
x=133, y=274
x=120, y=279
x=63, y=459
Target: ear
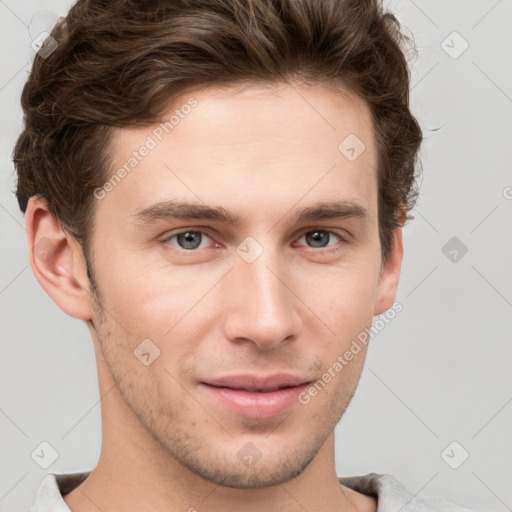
x=57, y=261
x=390, y=272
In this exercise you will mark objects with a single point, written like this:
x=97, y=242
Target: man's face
x=269, y=296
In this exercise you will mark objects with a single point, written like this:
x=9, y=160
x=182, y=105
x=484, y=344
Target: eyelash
x=321, y=250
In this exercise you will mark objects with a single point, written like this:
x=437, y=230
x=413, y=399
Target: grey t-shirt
x=390, y=494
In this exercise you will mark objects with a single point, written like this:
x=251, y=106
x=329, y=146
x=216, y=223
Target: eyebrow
x=172, y=209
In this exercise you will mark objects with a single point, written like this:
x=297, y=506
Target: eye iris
x=188, y=236
x=316, y=236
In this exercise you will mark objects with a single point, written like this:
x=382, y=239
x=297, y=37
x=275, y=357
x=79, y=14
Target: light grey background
x=438, y=373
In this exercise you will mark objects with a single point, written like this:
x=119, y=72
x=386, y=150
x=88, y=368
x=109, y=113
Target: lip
x=256, y=396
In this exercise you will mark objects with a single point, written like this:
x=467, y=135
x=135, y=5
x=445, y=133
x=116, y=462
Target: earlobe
x=57, y=261
x=390, y=274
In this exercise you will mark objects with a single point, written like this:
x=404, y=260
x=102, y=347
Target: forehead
x=262, y=148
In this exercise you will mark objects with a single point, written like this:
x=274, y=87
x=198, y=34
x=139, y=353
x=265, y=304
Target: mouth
x=256, y=396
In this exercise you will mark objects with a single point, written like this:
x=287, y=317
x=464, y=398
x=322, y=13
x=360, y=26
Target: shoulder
x=393, y=497
x=51, y=489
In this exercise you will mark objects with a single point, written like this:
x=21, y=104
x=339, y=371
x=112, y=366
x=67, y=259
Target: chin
x=257, y=473
x=252, y=478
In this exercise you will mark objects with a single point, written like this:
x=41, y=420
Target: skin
x=263, y=152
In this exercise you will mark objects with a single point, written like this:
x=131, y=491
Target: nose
x=261, y=308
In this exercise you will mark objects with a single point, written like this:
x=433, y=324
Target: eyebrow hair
x=172, y=209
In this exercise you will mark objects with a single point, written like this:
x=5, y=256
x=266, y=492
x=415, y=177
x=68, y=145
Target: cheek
x=141, y=289
x=172, y=307
x=343, y=298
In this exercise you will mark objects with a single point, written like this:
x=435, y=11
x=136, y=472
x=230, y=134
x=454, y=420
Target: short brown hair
x=119, y=62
